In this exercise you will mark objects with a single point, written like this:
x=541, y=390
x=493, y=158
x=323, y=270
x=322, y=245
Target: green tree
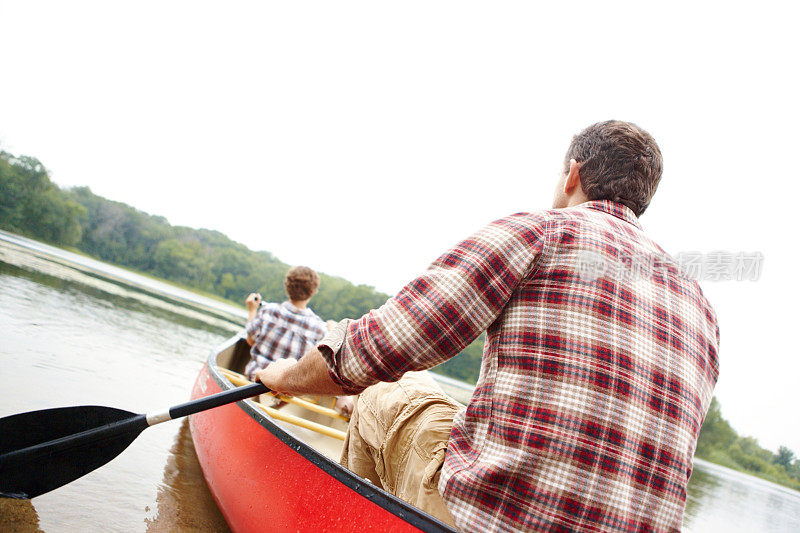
x=178, y=260
x=716, y=433
x=785, y=457
x=720, y=443
x=32, y=205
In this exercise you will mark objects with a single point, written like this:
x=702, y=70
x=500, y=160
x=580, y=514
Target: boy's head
x=301, y=283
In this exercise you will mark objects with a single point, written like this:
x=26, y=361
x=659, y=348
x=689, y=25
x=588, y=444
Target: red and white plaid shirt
x=599, y=366
x=282, y=331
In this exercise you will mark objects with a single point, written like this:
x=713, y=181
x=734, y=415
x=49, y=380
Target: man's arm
x=438, y=314
x=432, y=319
x=309, y=375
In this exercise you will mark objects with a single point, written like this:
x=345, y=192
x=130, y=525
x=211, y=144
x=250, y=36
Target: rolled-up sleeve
x=438, y=314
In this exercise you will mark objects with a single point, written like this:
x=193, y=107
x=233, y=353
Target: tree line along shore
x=208, y=261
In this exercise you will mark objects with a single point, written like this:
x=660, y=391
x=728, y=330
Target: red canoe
x=266, y=476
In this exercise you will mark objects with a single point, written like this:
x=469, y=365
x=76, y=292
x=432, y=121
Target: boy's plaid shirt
x=282, y=331
x=593, y=386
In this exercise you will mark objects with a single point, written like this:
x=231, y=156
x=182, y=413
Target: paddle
x=43, y=450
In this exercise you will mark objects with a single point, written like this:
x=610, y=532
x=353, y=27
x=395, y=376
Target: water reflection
x=67, y=339
x=720, y=499
x=16, y=261
x=184, y=501
x=701, y=485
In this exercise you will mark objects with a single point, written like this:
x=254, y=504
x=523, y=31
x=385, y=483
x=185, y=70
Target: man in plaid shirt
x=599, y=364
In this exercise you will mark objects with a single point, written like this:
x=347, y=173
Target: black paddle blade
x=43, y=450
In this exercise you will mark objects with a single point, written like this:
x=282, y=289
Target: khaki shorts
x=397, y=439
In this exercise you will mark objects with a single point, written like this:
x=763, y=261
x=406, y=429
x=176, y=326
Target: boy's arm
x=252, y=302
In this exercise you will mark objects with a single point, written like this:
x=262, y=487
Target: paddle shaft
x=209, y=402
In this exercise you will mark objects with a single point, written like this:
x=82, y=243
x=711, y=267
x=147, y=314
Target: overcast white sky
x=365, y=138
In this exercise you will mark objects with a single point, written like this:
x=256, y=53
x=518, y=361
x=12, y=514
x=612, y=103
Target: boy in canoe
x=289, y=329
x=284, y=330
x=598, y=368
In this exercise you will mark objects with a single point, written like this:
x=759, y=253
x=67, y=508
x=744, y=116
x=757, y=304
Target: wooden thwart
x=238, y=379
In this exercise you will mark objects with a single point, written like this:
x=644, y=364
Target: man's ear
x=573, y=178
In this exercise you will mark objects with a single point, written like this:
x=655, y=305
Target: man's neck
x=577, y=199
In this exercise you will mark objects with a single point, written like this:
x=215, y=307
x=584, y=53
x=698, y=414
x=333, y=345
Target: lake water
x=74, y=331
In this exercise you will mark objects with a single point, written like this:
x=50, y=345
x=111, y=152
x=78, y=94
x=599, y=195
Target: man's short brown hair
x=619, y=161
x=301, y=283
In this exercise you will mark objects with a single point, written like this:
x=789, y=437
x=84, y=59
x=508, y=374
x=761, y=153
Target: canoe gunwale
x=391, y=503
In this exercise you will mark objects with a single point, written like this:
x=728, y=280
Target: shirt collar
x=295, y=310
x=617, y=209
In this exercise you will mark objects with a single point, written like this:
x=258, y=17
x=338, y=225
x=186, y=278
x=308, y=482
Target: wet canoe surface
x=264, y=477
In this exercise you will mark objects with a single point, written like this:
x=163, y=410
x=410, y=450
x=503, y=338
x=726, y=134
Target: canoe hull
x=264, y=479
